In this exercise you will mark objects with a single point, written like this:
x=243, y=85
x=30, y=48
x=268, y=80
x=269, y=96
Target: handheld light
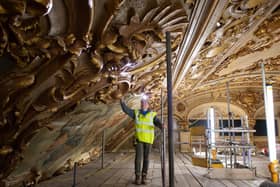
x=144, y=96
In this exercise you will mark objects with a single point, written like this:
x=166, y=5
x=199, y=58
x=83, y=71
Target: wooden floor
x=119, y=172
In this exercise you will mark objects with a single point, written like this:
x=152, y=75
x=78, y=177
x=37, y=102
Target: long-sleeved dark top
x=130, y=112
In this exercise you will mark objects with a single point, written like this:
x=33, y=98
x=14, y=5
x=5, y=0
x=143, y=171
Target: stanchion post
x=163, y=143
x=170, y=114
x=74, y=174
x=103, y=149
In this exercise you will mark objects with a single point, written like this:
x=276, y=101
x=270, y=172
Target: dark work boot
x=144, y=178
x=137, y=179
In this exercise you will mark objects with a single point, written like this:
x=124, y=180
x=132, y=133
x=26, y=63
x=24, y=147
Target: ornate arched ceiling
x=200, y=112
x=243, y=37
x=63, y=58
x=260, y=113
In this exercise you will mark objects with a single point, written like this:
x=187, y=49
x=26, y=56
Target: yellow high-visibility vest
x=145, y=128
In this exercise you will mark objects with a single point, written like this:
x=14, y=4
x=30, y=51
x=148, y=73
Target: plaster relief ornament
x=65, y=54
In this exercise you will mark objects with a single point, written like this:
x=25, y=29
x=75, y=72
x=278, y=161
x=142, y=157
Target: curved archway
x=200, y=111
x=260, y=112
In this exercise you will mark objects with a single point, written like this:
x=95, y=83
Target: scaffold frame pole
x=170, y=112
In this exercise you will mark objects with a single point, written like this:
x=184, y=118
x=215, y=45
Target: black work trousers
x=142, y=153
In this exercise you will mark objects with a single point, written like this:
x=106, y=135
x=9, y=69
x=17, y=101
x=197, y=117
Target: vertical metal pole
x=233, y=134
x=223, y=134
x=163, y=143
x=270, y=126
x=103, y=149
x=243, y=140
x=229, y=125
x=209, y=138
x=212, y=126
x=248, y=143
x=74, y=174
x=170, y=115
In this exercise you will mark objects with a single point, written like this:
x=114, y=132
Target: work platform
x=119, y=172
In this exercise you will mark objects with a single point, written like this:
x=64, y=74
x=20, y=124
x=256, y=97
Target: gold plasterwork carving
x=221, y=46
x=61, y=54
x=263, y=47
x=244, y=37
x=248, y=100
x=69, y=51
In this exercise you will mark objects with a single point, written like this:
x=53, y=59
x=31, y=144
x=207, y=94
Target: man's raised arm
x=127, y=110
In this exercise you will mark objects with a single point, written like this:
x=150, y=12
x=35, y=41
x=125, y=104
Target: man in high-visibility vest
x=145, y=122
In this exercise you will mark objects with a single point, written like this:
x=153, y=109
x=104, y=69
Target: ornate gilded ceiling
x=63, y=58
x=246, y=35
